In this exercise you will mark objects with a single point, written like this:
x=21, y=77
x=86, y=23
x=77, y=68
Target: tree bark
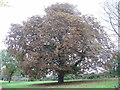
x=9, y=80
x=60, y=76
x=10, y=76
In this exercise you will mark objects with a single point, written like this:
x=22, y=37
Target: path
x=0, y=84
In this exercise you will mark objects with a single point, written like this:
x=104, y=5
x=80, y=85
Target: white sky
x=21, y=9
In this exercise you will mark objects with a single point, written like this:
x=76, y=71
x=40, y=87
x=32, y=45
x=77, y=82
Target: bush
x=50, y=78
x=19, y=78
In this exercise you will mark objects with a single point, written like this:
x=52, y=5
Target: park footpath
x=0, y=85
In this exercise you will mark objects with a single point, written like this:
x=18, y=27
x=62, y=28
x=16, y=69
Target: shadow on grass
x=71, y=82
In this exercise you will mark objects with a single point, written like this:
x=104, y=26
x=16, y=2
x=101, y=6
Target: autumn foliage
x=61, y=42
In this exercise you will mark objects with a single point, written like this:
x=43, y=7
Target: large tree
x=61, y=42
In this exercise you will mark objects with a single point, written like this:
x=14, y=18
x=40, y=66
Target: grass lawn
x=23, y=84
x=109, y=83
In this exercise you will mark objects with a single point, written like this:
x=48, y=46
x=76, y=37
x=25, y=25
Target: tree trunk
x=9, y=79
x=60, y=77
x=10, y=76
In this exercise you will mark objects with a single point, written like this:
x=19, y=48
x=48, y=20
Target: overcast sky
x=20, y=10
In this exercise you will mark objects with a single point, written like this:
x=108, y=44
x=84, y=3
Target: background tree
x=112, y=10
x=112, y=14
x=8, y=65
x=3, y=4
x=61, y=42
x=0, y=69
x=116, y=57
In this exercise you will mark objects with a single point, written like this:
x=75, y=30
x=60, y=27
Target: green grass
x=23, y=84
x=101, y=84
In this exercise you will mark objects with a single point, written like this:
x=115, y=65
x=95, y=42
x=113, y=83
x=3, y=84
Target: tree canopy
x=61, y=42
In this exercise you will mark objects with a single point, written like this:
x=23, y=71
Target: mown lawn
x=109, y=83
x=23, y=84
